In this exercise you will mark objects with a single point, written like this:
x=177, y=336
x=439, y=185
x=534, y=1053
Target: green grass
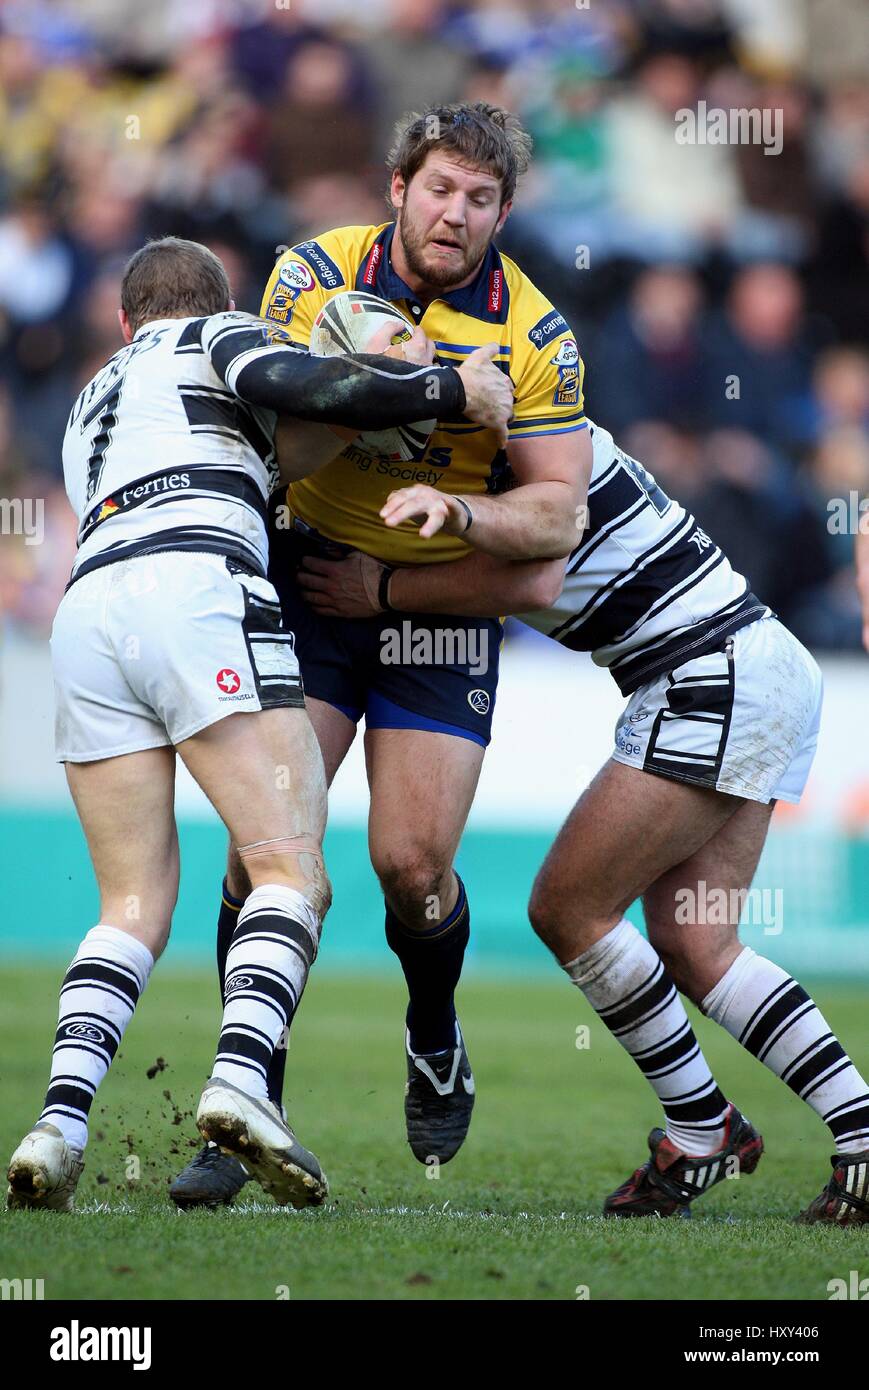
x=513, y=1216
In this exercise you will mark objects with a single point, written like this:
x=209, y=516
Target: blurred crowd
x=719, y=293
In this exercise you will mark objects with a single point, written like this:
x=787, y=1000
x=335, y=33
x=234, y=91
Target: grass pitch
x=515, y=1215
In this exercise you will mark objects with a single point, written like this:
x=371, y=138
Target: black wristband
x=383, y=588
x=468, y=512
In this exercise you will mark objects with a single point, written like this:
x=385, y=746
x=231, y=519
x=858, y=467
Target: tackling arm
x=362, y=391
x=537, y=519
x=478, y=585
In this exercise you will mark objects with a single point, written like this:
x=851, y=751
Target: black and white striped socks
x=623, y=978
x=99, y=993
x=273, y=947
x=774, y=1018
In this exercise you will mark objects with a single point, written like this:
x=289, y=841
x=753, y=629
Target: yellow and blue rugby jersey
x=343, y=499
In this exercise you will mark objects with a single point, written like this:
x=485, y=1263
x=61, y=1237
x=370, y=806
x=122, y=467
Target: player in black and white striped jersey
x=646, y=586
x=169, y=638
x=723, y=713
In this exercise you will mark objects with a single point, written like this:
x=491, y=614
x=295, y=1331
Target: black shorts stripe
x=262, y=627
x=706, y=701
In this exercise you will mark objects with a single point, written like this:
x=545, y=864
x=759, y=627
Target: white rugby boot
x=44, y=1171
x=257, y=1133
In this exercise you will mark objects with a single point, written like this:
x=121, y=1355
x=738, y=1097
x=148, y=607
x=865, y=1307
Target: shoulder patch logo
x=322, y=265
x=297, y=276
x=552, y=325
x=567, y=354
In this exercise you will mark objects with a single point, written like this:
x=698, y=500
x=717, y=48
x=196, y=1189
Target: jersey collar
x=486, y=297
x=159, y=323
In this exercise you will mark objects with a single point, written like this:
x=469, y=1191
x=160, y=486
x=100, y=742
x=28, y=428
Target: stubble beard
x=440, y=276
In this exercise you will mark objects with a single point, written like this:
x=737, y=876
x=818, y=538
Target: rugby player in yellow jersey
x=427, y=694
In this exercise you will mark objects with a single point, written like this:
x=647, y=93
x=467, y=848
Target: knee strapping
x=316, y=888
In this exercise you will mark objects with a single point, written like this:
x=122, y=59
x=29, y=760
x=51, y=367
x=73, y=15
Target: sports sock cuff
x=124, y=948
x=721, y=996
x=598, y=958
x=277, y=897
x=230, y=900
x=451, y=924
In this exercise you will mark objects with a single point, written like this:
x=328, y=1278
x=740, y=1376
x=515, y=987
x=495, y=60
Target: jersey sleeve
x=548, y=380
x=233, y=341
x=298, y=288
x=259, y=363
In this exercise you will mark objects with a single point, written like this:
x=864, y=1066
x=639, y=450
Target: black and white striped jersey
x=171, y=445
x=160, y=453
x=646, y=588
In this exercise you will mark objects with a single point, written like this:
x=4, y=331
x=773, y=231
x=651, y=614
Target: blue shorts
x=400, y=670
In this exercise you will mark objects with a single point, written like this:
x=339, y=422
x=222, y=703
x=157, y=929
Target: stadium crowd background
x=253, y=125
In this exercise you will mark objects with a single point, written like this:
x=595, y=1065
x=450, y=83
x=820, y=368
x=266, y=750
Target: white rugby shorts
x=743, y=720
x=147, y=651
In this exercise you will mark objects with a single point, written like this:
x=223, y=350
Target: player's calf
x=440, y=1091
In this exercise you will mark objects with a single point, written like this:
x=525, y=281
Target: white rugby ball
x=347, y=323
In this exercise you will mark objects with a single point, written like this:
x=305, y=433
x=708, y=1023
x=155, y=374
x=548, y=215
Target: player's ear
x=502, y=216
x=126, y=328
x=396, y=189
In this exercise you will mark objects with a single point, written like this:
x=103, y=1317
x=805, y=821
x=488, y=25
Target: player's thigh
x=422, y=786
x=627, y=829
x=127, y=809
x=692, y=911
x=334, y=733
x=262, y=772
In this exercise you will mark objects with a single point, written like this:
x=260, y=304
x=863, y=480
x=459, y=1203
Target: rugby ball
x=347, y=323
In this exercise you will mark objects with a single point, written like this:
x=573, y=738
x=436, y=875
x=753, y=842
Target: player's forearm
x=364, y=392
x=536, y=521
x=478, y=586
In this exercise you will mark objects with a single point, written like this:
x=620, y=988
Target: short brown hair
x=173, y=279
x=481, y=134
